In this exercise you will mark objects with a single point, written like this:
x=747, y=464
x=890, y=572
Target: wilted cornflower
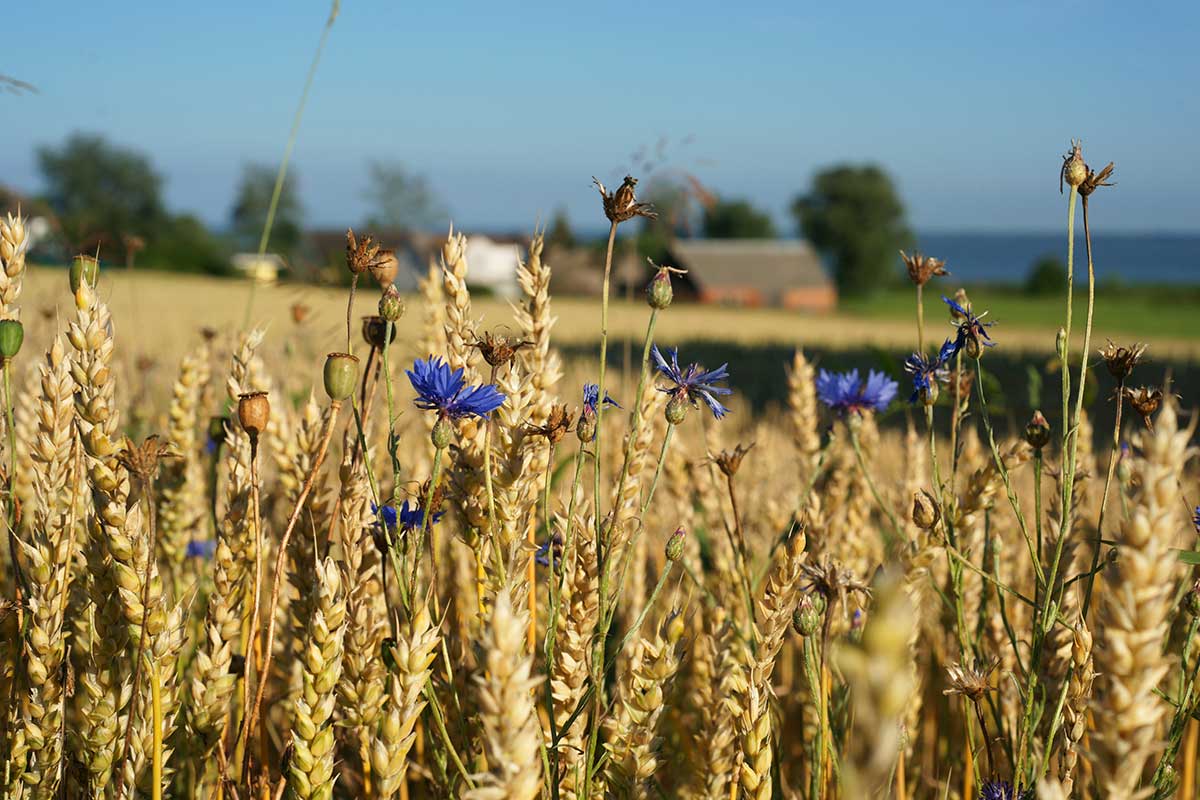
x=556, y=427
x=971, y=682
x=1145, y=401
x=922, y=267
x=927, y=372
x=622, y=205
x=845, y=392
x=591, y=399
x=694, y=383
x=548, y=548
x=972, y=330
x=201, y=548
x=442, y=389
x=1121, y=360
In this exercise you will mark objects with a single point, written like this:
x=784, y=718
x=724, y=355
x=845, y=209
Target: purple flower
x=926, y=371
x=201, y=548
x=844, y=392
x=591, y=398
x=972, y=330
x=546, y=548
x=442, y=389
x=1002, y=790
x=1196, y=519
x=408, y=518
x=694, y=383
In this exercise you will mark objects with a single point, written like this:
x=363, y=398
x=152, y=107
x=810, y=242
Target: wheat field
x=291, y=557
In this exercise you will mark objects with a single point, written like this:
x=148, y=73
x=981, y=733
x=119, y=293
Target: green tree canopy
x=253, y=202
x=102, y=193
x=737, y=219
x=560, y=233
x=1047, y=276
x=854, y=214
x=400, y=200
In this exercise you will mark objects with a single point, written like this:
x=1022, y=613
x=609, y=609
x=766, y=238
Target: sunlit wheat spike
x=459, y=326
x=14, y=242
x=1133, y=611
x=802, y=405
x=576, y=622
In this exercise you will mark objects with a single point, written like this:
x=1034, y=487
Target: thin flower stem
x=608, y=256
x=427, y=519
x=920, y=319
x=1068, y=431
x=862, y=467
x=635, y=421
x=739, y=547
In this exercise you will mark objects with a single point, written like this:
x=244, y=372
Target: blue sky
x=509, y=108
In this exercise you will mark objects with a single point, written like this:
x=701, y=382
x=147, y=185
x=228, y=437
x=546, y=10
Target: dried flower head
x=254, y=412
x=300, y=313
x=497, y=350
x=730, y=461
x=1121, y=360
x=363, y=256
x=833, y=582
x=1037, y=431
x=141, y=461
x=208, y=334
x=921, y=268
x=925, y=510
x=972, y=682
x=1073, y=171
x=1145, y=401
x=556, y=427
x=1095, y=180
x=972, y=333
x=622, y=205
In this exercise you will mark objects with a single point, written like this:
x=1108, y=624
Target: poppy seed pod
x=375, y=332
x=384, y=268
x=341, y=376
x=659, y=293
x=83, y=268
x=254, y=412
x=12, y=334
x=391, y=307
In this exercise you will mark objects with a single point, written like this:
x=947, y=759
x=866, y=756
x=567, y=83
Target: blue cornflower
x=972, y=330
x=695, y=382
x=591, y=398
x=407, y=518
x=1001, y=790
x=553, y=545
x=927, y=371
x=844, y=392
x=442, y=389
x=201, y=548
x=1196, y=519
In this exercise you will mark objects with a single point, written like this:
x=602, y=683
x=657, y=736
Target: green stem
x=862, y=467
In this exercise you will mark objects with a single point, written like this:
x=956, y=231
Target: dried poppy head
x=921, y=268
x=254, y=413
x=622, y=205
x=1145, y=401
x=364, y=255
x=1121, y=360
x=556, y=427
x=375, y=332
x=385, y=268
x=925, y=511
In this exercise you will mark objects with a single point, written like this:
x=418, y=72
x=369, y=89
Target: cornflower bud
x=676, y=410
x=1037, y=431
x=659, y=293
x=806, y=619
x=391, y=307
x=341, y=375
x=442, y=433
x=675, y=544
x=585, y=429
x=254, y=412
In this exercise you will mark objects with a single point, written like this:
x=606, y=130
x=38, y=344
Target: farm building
x=263, y=268
x=753, y=272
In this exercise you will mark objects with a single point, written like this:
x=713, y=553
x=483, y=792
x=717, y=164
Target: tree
x=737, y=219
x=1047, y=276
x=101, y=193
x=400, y=200
x=560, y=233
x=854, y=214
x=253, y=203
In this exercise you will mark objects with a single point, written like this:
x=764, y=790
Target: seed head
x=363, y=256
x=622, y=205
x=1145, y=401
x=925, y=511
x=730, y=461
x=556, y=427
x=341, y=375
x=806, y=619
x=921, y=268
x=498, y=350
x=585, y=428
x=254, y=413
x=14, y=240
x=375, y=332
x=1095, y=180
x=141, y=461
x=12, y=334
x=971, y=682
x=1037, y=431
x=385, y=268
x=1121, y=360
x=1073, y=171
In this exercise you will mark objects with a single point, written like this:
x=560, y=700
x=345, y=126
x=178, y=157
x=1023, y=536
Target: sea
x=1133, y=258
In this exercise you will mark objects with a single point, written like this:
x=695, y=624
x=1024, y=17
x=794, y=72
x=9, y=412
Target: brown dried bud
x=385, y=268
x=1145, y=401
x=375, y=332
x=622, y=205
x=1095, y=180
x=1191, y=600
x=556, y=426
x=498, y=350
x=922, y=268
x=1037, y=431
x=142, y=461
x=1074, y=171
x=365, y=255
x=960, y=297
x=254, y=413
x=585, y=429
x=925, y=511
x=1121, y=360
x=730, y=461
